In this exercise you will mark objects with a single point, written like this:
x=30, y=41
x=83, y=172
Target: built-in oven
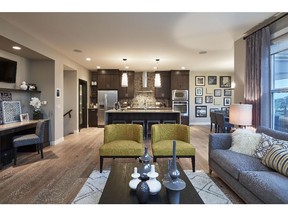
x=180, y=95
x=182, y=106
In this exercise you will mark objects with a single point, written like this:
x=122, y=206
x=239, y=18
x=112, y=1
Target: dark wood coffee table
x=117, y=191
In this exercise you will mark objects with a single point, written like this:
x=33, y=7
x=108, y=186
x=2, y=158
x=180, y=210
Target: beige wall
x=23, y=38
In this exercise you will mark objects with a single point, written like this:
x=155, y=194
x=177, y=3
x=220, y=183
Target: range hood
x=144, y=79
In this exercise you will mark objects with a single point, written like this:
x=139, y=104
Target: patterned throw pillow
x=265, y=143
x=245, y=141
x=277, y=159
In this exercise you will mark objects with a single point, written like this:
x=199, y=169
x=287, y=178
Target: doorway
x=82, y=104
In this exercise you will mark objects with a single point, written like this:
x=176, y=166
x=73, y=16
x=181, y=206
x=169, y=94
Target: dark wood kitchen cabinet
x=108, y=79
x=92, y=116
x=165, y=90
x=127, y=92
x=180, y=80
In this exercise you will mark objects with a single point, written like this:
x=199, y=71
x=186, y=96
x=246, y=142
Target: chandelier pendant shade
x=124, y=77
x=144, y=79
x=157, y=78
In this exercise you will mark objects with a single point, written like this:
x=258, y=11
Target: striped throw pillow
x=277, y=159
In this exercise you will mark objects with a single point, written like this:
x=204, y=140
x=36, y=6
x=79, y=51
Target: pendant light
x=124, y=78
x=144, y=79
x=157, y=79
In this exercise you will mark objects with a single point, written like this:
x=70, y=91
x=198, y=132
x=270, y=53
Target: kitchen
x=140, y=94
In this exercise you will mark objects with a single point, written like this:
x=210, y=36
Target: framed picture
x=227, y=101
x=225, y=81
x=198, y=100
x=225, y=109
x=200, y=111
x=217, y=92
x=11, y=111
x=208, y=99
x=212, y=80
x=217, y=101
x=198, y=91
x=214, y=109
x=24, y=117
x=209, y=90
x=199, y=80
x=227, y=92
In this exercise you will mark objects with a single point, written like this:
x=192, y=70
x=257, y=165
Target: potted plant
x=36, y=103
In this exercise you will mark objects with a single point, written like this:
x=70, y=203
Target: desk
x=10, y=129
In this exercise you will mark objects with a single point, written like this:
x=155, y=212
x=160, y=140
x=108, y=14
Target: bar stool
x=118, y=122
x=169, y=122
x=141, y=122
x=148, y=126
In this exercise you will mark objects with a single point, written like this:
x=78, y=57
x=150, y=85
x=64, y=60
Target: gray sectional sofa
x=246, y=175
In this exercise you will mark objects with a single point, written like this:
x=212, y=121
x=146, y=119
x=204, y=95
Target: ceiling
x=177, y=39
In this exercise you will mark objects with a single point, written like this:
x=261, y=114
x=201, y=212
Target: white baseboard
x=199, y=123
x=76, y=131
x=57, y=141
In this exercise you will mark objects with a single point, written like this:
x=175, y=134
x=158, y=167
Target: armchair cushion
x=121, y=148
x=170, y=132
x=165, y=148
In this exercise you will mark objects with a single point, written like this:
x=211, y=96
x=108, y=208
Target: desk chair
x=30, y=139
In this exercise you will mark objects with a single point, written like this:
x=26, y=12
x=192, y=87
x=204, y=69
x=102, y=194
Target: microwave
x=180, y=95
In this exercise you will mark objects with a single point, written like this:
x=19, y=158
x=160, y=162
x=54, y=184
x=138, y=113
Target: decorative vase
x=135, y=181
x=23, y=86
x=146, y=166
x=37, y=115
x=153, y=183
x=167, y=175
x=142, y=191
x=175, y=184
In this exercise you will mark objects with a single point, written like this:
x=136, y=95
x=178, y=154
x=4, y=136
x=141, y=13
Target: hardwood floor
x=58, y=177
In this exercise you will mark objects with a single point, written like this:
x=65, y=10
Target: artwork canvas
x=201, y=111
x=24, y=117
x=212, y=80
x=225, y=81
x=200, y=80
x=11, y=111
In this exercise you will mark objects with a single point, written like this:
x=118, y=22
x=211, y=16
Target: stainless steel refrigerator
x=106, y=101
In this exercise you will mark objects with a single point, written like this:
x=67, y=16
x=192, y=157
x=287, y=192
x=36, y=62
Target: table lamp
x=240, y=114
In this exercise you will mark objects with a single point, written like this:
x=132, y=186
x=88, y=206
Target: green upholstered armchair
x=162, y=142
x=121, y=141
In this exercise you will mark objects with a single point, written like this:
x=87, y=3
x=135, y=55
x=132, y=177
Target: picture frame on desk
x=24, y=117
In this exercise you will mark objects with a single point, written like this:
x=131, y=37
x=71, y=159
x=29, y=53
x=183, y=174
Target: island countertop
x=130, y=115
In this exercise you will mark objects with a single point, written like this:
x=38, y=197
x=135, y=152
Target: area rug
x=209, y=192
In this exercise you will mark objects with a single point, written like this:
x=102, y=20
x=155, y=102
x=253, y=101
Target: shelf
x=17, y=90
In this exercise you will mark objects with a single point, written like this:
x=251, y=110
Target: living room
x=52, y=67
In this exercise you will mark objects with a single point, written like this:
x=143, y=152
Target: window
x=279, y=82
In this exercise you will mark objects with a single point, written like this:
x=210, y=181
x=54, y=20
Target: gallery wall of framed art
x=212, y=91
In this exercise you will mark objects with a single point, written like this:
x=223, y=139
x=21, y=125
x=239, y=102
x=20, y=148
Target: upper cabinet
x=127, y=92
x=165, y=90
x=180, y=80
x=108, y=79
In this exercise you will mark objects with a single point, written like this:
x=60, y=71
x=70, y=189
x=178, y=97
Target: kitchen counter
x=141, y=114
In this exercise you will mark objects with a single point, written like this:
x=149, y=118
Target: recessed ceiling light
x=88, y=59
x=182, y=68
x=98, y=67
x=77, y=50
x=16, y=47
x=202, y=52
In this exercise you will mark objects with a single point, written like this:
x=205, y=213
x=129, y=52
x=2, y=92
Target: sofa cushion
x=245, y=141
x=165, y=148
x=121, y=148
x=277, y=159
x=233, y=162
x=265, y=143
x=270, y=187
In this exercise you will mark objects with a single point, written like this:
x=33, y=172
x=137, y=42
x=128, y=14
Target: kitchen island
x=130, y=115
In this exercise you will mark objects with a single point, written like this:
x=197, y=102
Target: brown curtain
x=257, y=73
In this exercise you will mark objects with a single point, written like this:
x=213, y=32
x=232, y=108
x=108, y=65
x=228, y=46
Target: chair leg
x=41, y=149
x=15, y=155
x=101, y=163
x=210, y=171
x=193, y=163
x=154, y=159
x=211, y=126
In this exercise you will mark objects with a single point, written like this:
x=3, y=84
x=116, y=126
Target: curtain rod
x=265, y=23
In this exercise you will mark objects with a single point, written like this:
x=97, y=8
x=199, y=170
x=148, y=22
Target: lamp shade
x=240, y=114
x=124, y=80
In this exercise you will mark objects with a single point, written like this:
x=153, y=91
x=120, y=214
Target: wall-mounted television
x=8, y=70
